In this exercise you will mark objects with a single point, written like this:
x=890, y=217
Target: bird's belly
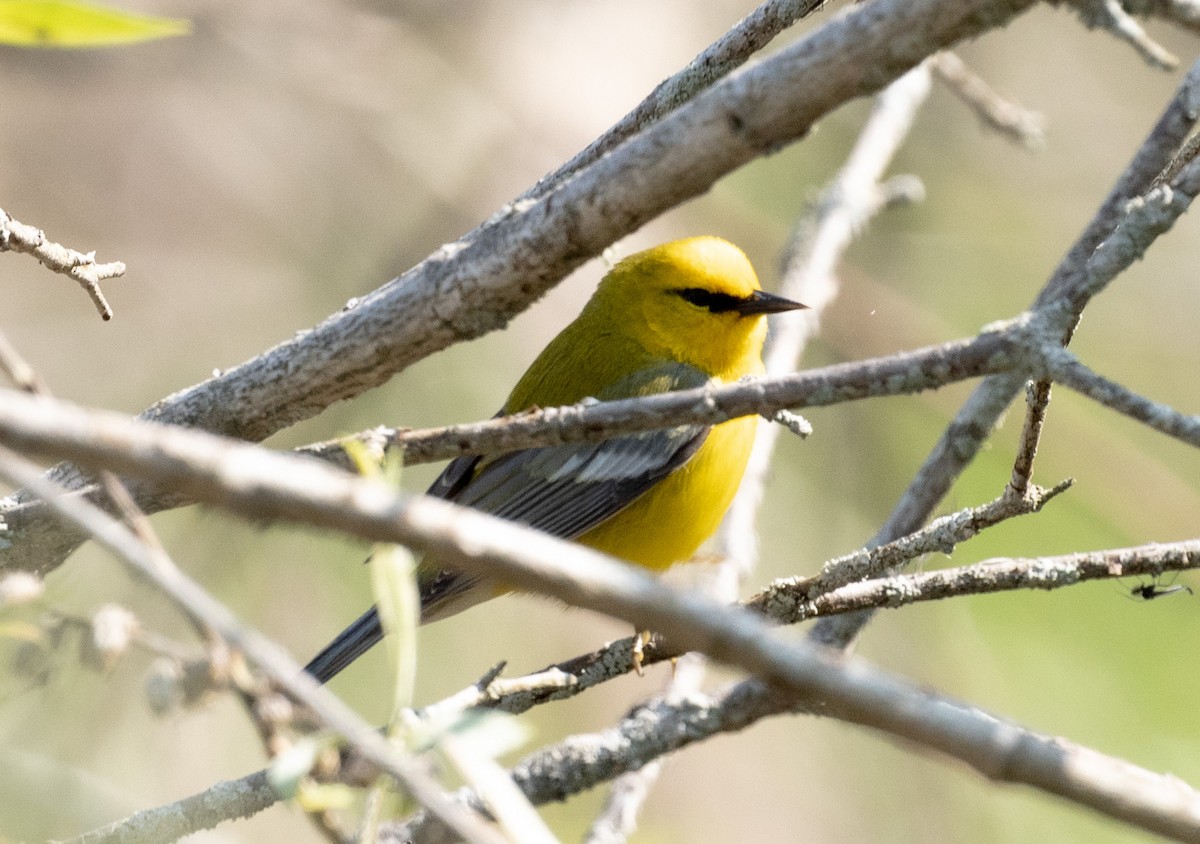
x=672, y=520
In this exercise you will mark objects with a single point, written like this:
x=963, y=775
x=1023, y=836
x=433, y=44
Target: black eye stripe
x=718, y=303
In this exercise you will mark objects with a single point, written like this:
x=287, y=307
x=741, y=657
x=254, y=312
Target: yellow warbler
x=678, y=316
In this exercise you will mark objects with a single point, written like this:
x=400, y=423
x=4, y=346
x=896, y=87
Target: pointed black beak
x=761, y=302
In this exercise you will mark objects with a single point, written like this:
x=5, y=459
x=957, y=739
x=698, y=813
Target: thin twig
x=1009, y=119
x=1037, y=401
x=21, y=374
x=540, y=685
x=18, y=237
x=1066, y=369
x=617, y=819
x=1185, y=13
x=146, y=640
x=1186, y=153
x=784, y=600
x=1153, y=156
x=1001, y=575
x=732, y=50
x=1145, y=218
x=1111, y=16
x=1002, y=349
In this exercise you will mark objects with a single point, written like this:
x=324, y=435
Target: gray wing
x=566, y=490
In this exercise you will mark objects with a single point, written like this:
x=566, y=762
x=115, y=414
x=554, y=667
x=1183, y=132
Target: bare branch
x=995, y=748
x=746, y=38
x=997, y=350
x=1146, y=218
x=1001, y=575
x=1150, y=160
x=618, y=819
x=1066, y=369
x=493, y=688
x=666, y=725
x=1013, y=121
x=225, y=801
x=784, y=601
x=1185, y=13
x=21, y=374
x=1037, y=400
x=1181, y=159
x=1111, y=16
x=17, y=237
x=778, y=602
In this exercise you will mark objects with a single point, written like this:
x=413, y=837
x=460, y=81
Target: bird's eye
x=718, y=303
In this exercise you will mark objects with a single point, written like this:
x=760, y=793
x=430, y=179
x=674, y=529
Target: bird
x=680, y=315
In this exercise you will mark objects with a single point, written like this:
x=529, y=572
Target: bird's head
x=697, y=301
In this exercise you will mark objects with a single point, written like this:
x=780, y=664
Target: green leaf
x=66, y=23
x=361, y=459
x=324, y=797
x=394, y=581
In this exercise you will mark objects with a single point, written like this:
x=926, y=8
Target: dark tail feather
x=350, y=644
x=442, y=594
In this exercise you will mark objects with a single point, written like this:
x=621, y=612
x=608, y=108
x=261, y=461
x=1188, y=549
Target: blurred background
x=286, y=157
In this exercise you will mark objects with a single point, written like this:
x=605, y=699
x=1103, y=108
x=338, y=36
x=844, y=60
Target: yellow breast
x=668, y=523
